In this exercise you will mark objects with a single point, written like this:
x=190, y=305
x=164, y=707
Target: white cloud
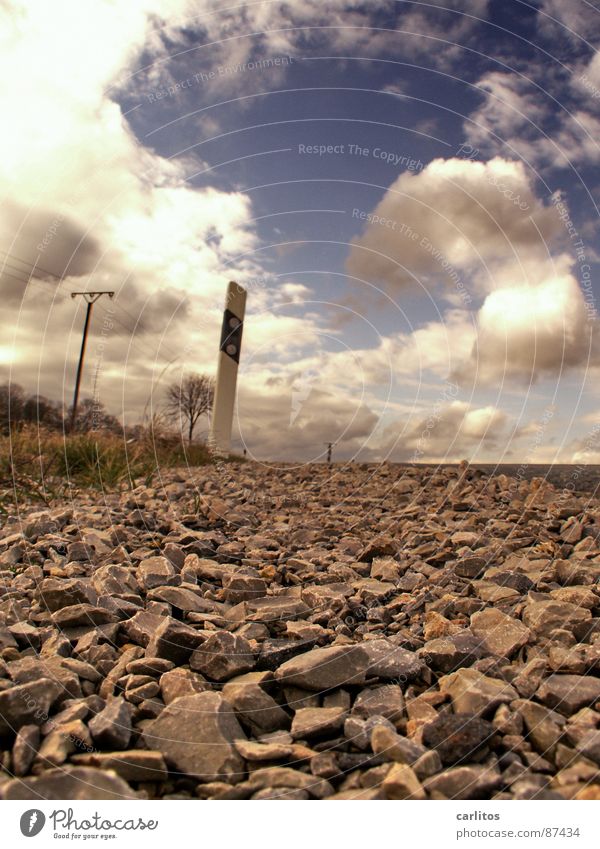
x=519, y=119
x=457, y=216
x=459, y=227
x=109, y=212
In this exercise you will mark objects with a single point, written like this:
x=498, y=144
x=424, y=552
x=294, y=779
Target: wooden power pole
x=90, y=298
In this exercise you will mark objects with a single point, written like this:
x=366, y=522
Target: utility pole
x=90, y=298
x=329, y=449
x=227, y=369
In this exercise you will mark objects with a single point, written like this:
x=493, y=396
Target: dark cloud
x=45, y=244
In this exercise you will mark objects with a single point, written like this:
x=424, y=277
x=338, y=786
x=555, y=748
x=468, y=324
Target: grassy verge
x=39, y=465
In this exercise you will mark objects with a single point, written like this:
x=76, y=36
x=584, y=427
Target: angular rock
x=278, y=776
x=276, y=609
x=259, y=752
x=472, y=692
x=499, y=634
x=317, y=722
x=393, y=747
x=360, y=731
x=27, y=704
x=545, y=615
x=323, y=669
x=115, y=580
x=111, y=727
x=222, y=656
x=56, y=593
x=401, y=782
x=181, y=682
x=255, y=709
x=196, y=736
x=589, y=746
x=447, y=654
x=391, y=662
x=568, y=693
x=140, y=628
x=458, y=737
x=239, y=587
x=275, y=652
x=132, y=765
x=30, y=669
x=76, y=783
x=25, y=749
x=464, y=782
x=544, y=727
x=386, y=700
x=174, y=641
x=82, y=614
x=155, y=572
x=181, y=599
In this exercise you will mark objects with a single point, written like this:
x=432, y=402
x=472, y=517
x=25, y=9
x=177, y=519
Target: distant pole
x=227, y=369
x=90, y=298
x=329, y=449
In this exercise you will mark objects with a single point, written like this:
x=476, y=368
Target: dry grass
x=42, y=465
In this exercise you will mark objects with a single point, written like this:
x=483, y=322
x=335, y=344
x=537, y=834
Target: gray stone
x=155, y=572
x=394, y=747
x=446, y=654
x=181, y=682
x=386, y=700
x=389, y=661
x=457, y=737
x=132, y=765
x=27, y=704
x=174, y=641
x=499, y=634
x=256, y=709
x=196, y=735
x=317, y=722
x=323, y=669
x=111, y=728
x=464, y=782
x=473, y=692
x=222, y=656
x=25, y=749
x=569, y=693
x=56, y=593
x=545, y=615
x=77, y=783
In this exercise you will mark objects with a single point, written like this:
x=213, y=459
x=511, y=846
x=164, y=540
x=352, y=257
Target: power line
x=129, y=329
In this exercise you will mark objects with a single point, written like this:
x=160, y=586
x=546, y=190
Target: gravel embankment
x=370, y=632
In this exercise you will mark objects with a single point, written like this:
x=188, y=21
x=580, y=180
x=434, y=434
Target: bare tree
x=12, y=399
x=189, y=400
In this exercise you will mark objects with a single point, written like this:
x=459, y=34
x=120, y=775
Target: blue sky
x=407, y=189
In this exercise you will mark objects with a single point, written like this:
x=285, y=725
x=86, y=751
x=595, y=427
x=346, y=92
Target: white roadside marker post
x=227, y=369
